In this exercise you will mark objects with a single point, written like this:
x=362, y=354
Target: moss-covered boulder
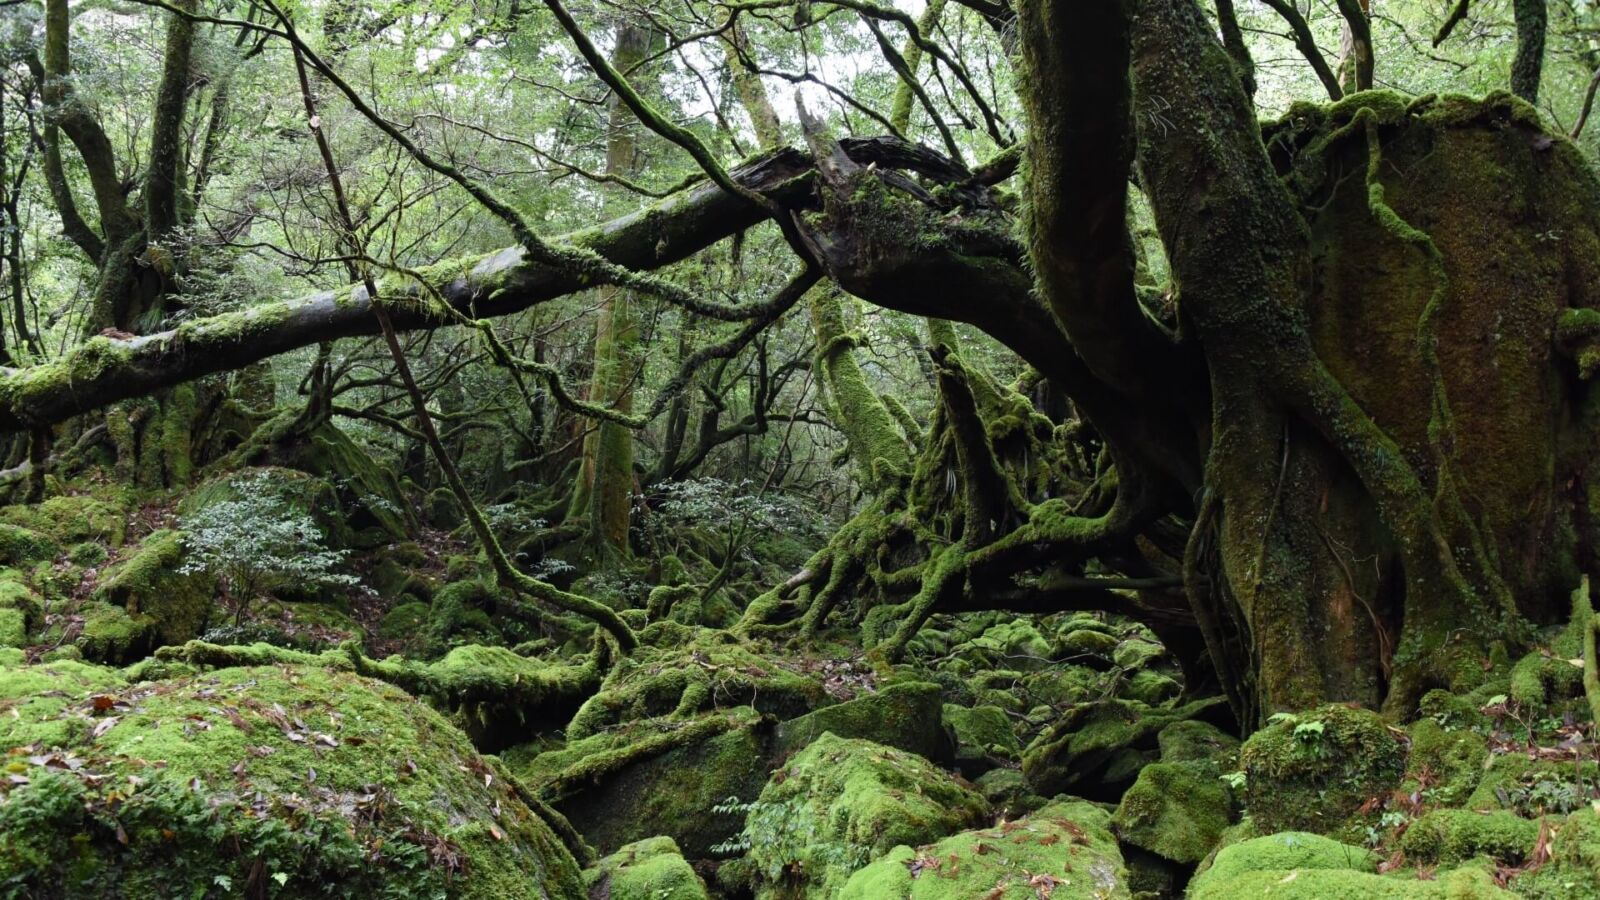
x=369, y=494
x=1064, y=851
x=21, y=609
x=268, y=781
x=1198, y=742
x=1573, y=870
x=1532, y=787
x=1096, y=749
x=20, y=546
x=1008, y=794
x=1302, y=866
x=841, y=803
x=1138, y=652
x=110, y=634
x=151, y=583
x=312, y=496
x=670, y=779
x=1448, y=763
x=1455, y=835
x=1085, y=645
x=905, y=715
x=1175, y=810
x=983, y=736
x=71, y=519
x=651, y=869
x=1314, y=770
x=680, y=670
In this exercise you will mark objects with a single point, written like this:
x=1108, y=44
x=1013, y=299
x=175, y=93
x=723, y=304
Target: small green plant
x=1235, y=780
x=740, y=842
x=255, y=539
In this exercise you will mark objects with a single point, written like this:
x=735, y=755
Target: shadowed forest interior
x=799, y=449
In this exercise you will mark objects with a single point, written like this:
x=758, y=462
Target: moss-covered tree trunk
x=1397, y=453
x=604, y=495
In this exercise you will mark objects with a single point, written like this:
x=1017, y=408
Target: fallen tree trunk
x=105, y=370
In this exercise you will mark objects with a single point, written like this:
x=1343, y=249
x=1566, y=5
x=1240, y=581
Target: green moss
x=1089, y=745
x=87, y=553
x=1137, y=653
x=1532, y=787
x=19, y=546
x=460, y=615
x=179, y=412
x=1084, y=642
x=1312, y=772
x=1198, y=742
x=340, y=784
x=983, y=734
x=112, y=635
x=1064, y=851
x=16, y=596
x=651, y=869
x=1445, y=763
x=1150, y=687
x=1175, y=810
x=308, y=625
x=654, y=778
x=1301, y=866
x=1573, y=870
x=1007, y=792
x=681, y=671
x=150, y=584
x=840, y=803
x=72, y=518
x=13, y=628
x=905, y=715
x=404, y=622
x=1456, y=835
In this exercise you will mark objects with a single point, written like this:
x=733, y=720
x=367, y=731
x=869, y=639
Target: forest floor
x=401, y=735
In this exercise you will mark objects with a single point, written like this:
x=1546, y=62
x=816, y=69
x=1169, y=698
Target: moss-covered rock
x=651, y=869
x=1455, y=835
x=150, y=584
x=13, y=628
x=839, y=804
x=1532, y=787
x=1137, y=653
x=374, y=507
x=1150, y=686
x=681, y=671
x=1195, y=741
x=87, y=554
x=983, y=737
x=1448, y=763
x=71, y=519
x=1175, y=810
x=1008, y=794
x=21, y=611
x=1303, y=866
x=1573, y=870
x=905, y=715
x=282, y=780
x=1097, y=748
x=404, y=622
x=1313, y=771
x=657, y=779
x=110, y=634
x=1064, y=851
x=1086, y=643
x=20, y=546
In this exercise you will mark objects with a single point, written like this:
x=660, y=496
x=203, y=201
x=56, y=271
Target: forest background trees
x=1000, y=306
